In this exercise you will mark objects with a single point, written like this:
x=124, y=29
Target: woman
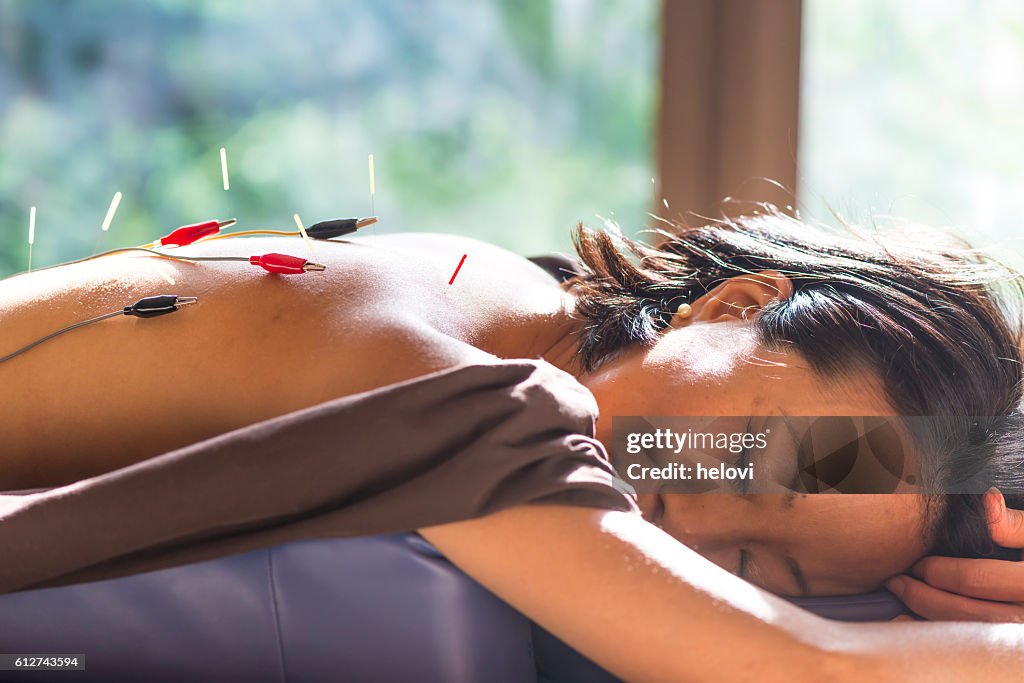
x=773, y=323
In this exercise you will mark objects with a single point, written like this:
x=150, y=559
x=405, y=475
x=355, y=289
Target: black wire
x=50, y=336
x=146, y=307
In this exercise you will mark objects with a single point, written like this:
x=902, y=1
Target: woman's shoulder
x=481, y=256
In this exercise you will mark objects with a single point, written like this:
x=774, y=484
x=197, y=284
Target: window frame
x=728, y=115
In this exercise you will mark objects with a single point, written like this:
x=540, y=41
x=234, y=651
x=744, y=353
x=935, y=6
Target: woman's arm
x=648, y=608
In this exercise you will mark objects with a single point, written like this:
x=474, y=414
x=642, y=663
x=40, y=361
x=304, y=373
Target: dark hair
x=928, y=315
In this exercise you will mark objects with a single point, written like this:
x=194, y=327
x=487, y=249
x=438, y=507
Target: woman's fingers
x=976, y=590
x=985, y=579
x=1005, y=525
x=938, y=605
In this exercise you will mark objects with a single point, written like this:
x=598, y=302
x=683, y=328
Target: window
x=914, y=109
x=506, y=120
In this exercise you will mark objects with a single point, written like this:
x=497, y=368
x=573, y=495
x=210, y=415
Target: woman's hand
x=954, y=589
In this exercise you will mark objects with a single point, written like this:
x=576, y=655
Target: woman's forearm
x=634, y=599
x=935, y=651
x=647, y=608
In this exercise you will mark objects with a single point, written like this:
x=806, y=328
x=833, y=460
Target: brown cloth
x=449, y=446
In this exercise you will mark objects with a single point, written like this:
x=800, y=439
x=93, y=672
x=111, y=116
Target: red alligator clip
x=187, y=234
x=284, y=264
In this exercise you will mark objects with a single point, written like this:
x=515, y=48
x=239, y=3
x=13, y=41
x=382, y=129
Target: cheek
x=696, y=517
x=712, y=524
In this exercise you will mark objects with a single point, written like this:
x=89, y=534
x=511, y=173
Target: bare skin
x=952, y=588
x=710, y=363
x=258, y=346
x=255, y=346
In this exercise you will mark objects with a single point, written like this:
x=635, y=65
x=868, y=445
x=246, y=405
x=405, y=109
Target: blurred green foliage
x=913, y=110
x=506, y=120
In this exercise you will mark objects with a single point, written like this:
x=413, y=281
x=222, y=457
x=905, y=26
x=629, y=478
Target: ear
x=742, y=296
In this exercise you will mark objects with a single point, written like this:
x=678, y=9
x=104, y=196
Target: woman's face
x=710, y=364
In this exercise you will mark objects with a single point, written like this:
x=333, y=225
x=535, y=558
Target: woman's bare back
x=255, y=345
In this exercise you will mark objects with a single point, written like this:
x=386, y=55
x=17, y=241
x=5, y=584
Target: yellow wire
x=241, y=233
x=244, y=233
x=155, y=244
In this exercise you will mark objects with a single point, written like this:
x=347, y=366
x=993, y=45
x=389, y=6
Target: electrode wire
x=50, y=336
x=146, y=307
x=243, y=233
x=334, y=228
x=359, y=223
x=148, y=251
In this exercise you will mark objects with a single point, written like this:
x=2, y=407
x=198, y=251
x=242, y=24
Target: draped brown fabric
x=453, y=445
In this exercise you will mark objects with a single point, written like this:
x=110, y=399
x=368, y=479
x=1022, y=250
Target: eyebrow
x=798, y=575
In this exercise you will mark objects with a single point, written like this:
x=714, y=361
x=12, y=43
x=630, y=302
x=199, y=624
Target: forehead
x=725, y=372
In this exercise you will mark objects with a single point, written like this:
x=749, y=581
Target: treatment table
x=373, y=609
